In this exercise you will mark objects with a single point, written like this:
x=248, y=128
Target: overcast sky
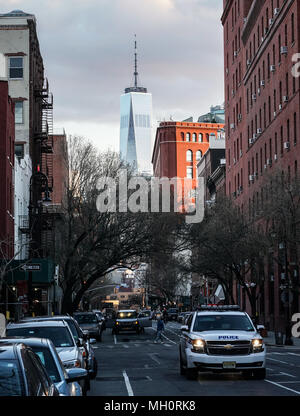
x=87, y=47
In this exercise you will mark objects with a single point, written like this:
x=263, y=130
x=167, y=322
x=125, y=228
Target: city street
x=132, y=365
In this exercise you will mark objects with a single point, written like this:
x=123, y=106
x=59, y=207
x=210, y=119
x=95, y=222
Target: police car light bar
x=220, y=307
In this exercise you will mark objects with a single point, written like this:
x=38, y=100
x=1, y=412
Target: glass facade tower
x=136, y=139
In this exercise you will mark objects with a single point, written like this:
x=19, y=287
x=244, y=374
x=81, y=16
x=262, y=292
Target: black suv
x=172, y=314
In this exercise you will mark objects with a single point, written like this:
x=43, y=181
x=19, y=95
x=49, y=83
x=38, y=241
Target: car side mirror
x=76, y=374
x=184, y=328
x=79, y=343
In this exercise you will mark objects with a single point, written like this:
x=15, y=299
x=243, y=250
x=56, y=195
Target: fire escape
x=43, y=163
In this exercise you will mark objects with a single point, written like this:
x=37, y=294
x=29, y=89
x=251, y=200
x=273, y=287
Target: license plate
x=229, y=364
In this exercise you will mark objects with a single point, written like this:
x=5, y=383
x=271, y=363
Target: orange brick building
x=179, y=146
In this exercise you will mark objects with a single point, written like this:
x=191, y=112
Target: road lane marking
x=293, y=353
x=278, y=361
x=154, y=358
x=173, y=342
x=128, y=385
x=289, y=375
x=146, y=366
x=289, y=382
x=270, y=369
x=283, y=387
x=167, y=345
x=125, y=346
x=173, y=332
x=115, y=339
x=149, y=378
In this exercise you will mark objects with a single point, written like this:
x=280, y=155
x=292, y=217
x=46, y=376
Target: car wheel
x=259, y=374
x=182, y=369
x=191, y=373
x=95, y=370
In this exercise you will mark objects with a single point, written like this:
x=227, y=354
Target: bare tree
x=228, y=248
x=93, y=242
x=281, y=213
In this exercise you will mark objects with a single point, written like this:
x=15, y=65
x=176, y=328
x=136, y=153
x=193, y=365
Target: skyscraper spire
x=135, y=63
x=135, y=87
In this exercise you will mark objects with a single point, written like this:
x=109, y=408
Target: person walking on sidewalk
x=159, y=329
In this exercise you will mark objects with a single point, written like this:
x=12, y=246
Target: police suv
x=221, y=339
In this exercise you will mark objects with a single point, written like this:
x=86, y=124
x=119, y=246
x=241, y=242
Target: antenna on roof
x=135, y=62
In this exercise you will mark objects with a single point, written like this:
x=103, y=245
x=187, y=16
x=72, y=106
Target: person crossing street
x=159, y=329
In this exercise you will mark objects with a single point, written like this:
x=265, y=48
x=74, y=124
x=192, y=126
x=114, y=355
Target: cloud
x=87, y=46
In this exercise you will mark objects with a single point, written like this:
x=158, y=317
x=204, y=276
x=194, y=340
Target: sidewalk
x=270, y=340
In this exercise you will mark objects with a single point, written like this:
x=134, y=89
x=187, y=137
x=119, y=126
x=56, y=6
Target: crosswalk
x=133, y=345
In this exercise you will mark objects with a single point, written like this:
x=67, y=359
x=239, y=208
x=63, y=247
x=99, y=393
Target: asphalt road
x=132, y=365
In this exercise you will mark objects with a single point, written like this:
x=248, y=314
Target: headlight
x=117, y=323
x=257, y=345
x=136, y=322
x=198, y=345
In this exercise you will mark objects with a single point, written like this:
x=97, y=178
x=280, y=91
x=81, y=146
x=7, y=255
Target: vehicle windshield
x=48, y=362
x=10, y=381
x=73, y=329
x=86, y=319
x=222, y=323
x=126, y=315
x=60, y=336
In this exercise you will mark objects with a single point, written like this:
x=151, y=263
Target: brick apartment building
x=179, y=146
x=7, y=142
x=262, y=107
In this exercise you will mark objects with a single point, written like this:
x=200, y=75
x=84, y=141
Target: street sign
x=31, y=267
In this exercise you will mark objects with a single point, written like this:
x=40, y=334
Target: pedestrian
x=159, y=329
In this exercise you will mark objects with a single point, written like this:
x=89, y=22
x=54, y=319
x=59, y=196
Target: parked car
x=172, y=314
x=89, y=321
x=126, y=320
x=65, y=380
x=182, y=316
x=101, y=317
x=22, y=373
x=84, y=340
x=59, y=332
x=145, y=318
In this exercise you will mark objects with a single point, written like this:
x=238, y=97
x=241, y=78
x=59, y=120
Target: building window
x=19, y=151
x=16, y=68
x=188, y=137
x=194, y=137
x=182, y=137
x=200, y=137
x=189, y=172
x=19, y=119
x=198, y=155
x=189, y=156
